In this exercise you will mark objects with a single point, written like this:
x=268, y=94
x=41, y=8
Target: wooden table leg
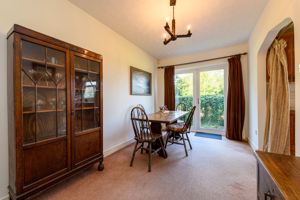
x=156, y=128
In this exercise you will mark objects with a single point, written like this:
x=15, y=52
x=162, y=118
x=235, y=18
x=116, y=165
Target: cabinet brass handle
x=269, y=196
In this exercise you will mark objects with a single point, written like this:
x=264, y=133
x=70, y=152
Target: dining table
x=163, y=117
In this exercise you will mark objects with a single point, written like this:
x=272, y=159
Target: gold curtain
x=276, y=138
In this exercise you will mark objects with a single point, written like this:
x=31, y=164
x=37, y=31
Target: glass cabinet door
x=86, y=94
x=43, y=92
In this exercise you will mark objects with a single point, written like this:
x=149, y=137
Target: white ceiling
x=215, y=23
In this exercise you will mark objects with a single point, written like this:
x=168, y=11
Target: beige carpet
x=214, y=170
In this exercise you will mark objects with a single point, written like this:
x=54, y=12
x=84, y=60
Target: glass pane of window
x=184, y=89
x=212, y=99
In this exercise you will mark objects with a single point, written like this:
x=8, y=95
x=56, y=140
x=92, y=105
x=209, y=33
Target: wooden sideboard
x=55, y=111
x=278, y=176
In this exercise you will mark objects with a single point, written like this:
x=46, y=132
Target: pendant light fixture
x=172, y=31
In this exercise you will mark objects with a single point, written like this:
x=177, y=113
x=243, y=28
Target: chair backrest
x=181, y=107
x=141, y=106
x=140, y=124
x=189, y=119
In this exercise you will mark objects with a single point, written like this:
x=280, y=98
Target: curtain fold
x=170, y=87
x=235, y=100
x=276, y=138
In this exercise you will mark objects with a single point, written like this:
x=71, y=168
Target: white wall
x=276, y=14
x=241, y=48
x=63, y=20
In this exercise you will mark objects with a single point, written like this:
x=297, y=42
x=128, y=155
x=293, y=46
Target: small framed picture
x=140, y=82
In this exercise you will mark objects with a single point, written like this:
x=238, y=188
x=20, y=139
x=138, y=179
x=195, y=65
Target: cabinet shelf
x=43, y=111
x=85, y=71
x=42, y=62
x=87, y=108
x=43, y=87
x=77, y=89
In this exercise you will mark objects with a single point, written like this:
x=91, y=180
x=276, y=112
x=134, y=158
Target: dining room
x=172, y=99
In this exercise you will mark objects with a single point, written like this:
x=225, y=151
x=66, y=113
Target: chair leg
x=162, y=147
x=133, y=154
x=150, y=153
x=142, y=149
x=183, y=139
x=173, y=137
x=168, y=136
x=188, y=139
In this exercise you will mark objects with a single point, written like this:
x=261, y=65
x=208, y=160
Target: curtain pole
x=200, y=61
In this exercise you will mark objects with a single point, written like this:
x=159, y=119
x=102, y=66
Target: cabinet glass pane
x=44, y=92
x=56, y=58
x=28, y=99
x=94, y=78
x=80, y=63
x=28, y=73
x=78, y=99
x=97, y=99
x=45, y=125
x=80, y=80
x=29, y=128
x=46, y=100
x=33, y=51
x=90, y=98
x=61, y=103
x=94, y=66
x=97, y=117
x=56, y=77
x=88, y=120
x=77, y=120
x=43, y=77
x=87, y=94
x=62, y=124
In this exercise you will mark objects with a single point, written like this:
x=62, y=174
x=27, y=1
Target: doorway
x=205, y=87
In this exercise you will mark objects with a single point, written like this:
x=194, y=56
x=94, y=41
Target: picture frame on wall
x=140, y=82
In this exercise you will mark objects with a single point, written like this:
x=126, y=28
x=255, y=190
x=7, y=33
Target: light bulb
x=165, y=35
x=167, y=19
x=188, y=27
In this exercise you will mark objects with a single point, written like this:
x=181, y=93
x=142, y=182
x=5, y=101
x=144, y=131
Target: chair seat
x=180, y=121
x=177, y=127
x=155, y=136
x=148, y=138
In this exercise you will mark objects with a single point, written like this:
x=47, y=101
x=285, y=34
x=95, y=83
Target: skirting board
x=253, y=146
x=117, y=147
x=4, y=198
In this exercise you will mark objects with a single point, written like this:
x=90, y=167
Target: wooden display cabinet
x=55, y=111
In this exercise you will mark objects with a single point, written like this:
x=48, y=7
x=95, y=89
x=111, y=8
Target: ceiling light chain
x=172, y=32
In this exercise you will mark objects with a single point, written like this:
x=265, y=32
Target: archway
x=261, y=77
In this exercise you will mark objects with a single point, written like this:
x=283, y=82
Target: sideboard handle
x=269, y=196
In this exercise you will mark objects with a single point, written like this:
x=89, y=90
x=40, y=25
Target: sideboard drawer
x=267, y=190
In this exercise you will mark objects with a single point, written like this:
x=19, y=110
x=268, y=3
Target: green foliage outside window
x=212, y=96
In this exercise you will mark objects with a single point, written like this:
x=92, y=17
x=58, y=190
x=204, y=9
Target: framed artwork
x=140, y=82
